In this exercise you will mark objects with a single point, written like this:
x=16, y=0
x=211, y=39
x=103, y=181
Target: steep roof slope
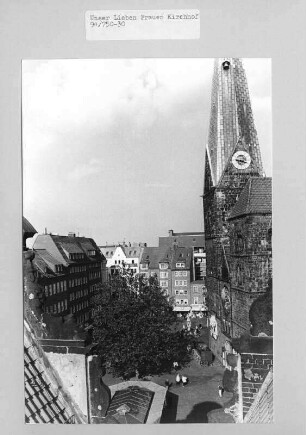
x=256, y=198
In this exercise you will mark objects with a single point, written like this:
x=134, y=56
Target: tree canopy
x=135, y=327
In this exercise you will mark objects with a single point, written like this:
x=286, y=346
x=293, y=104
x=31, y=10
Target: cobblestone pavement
x=190, y=404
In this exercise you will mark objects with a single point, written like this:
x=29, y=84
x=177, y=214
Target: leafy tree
x=135, y=327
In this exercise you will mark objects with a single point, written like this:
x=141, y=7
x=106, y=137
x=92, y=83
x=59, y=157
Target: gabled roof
x=155, y=256
x=256, y=198
x=61, y=246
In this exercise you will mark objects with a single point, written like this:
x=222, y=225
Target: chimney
x=71, y=234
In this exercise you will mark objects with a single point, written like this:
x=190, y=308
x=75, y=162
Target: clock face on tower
x=241, y=160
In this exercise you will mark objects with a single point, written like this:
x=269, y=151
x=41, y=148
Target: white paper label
x=137, y=25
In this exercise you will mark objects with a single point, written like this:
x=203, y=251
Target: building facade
x=232, y=164
x=122, y=256
x=194, y=240
x=69, y=270
x=173, y=267
x=250, y=233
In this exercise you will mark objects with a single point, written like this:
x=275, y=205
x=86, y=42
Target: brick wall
x=254, y=369
x=261, y=410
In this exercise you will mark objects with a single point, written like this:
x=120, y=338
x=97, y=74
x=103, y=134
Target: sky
x=113, y=149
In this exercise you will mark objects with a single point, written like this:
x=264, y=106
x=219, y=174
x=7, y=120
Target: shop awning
x=198, y=307
x=181, y=309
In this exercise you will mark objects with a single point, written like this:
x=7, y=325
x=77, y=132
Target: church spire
x=231, y=117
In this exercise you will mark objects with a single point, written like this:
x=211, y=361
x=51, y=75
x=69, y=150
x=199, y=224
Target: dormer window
x=180, y=265
x=144, y=266
x=163, y=265
x=92, y=253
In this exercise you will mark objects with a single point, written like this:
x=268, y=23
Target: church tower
x=232, y=158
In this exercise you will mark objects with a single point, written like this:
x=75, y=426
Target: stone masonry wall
x=251, y=252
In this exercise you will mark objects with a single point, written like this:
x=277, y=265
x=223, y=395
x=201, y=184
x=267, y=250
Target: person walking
x=184, y=380
x=178, y=379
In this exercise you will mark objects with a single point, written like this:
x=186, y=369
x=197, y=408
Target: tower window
x=226, y=65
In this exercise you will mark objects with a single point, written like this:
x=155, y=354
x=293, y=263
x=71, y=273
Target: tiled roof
x=59, y=246
x=131, y=251
x=183, y=239
x=256, y=198
x=165, y=254
x=261, y=410
x=44, y=261
x=155, y=256
x=46, y=401
x=86, y=245
x=107, y=252
x=70, y=247
x=27, y=227
x=181, y=254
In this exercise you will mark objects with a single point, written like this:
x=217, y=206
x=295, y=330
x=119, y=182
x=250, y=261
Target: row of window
x=78, y=294
x=56, y=287
x=180, y=265
x=78, y=281
x=181, y=273
x=75, y=269
x=163, y=266
x=185, y=301
x=180, y=282
x=185, y=292
x=177, y=273
x=57, y=308
x=79, y=307
x=181, y=292
x=94, y=265
x=93, y=275
x=76, y=256
x=181, y=301
x=82, y=318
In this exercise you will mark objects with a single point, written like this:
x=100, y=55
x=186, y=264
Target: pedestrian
x=221, y=390
x=175, y=365
x=184, y=380
x=178, y=379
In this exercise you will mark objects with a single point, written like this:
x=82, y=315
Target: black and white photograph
x=147, y=240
